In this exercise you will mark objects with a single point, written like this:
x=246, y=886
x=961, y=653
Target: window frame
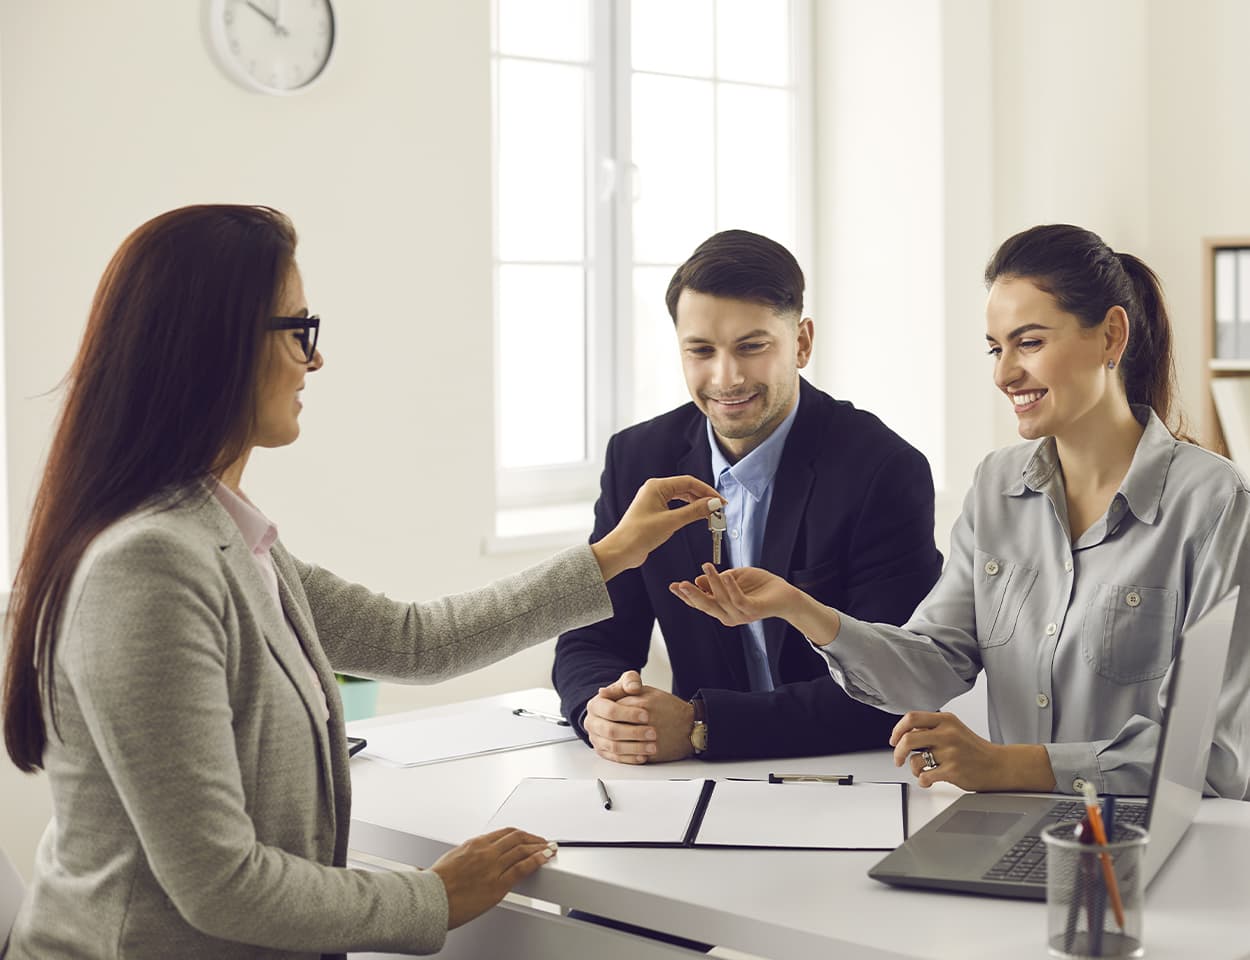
x=609, y=396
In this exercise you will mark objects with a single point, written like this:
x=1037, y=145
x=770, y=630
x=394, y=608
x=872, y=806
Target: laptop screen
x=1188, y=719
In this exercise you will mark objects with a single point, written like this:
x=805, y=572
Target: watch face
x=698, y=736
x=274, y=46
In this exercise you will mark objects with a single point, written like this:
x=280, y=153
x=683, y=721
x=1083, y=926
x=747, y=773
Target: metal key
x=716, y=523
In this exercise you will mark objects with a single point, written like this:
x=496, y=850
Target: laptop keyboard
x=1025, y=862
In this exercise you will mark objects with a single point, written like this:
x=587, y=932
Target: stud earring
x=1110, y=364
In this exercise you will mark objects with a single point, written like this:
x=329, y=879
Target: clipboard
x=471, y=732
x=725, y=814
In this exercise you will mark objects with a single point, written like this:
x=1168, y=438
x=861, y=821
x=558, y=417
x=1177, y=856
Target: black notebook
x=709, y=813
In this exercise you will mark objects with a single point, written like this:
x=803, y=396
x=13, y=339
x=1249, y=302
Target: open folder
x=709, y=813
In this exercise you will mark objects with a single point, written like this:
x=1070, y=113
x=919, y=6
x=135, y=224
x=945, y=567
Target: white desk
x=775, y=904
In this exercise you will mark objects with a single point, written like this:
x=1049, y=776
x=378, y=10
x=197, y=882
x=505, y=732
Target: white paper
x=752, y=813
x=450, y=736
x=862, y=816
x=571, y=811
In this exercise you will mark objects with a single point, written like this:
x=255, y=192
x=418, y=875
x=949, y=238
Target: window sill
x=551, y=527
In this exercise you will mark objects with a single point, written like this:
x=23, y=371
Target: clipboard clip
x=841, y=779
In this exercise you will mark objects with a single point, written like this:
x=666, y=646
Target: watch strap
x=698, y=732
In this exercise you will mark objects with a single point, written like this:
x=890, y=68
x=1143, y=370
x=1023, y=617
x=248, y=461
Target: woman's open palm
x=738, y=596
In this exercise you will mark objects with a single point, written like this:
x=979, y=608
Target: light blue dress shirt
x=1076, y=639
x=747, y=488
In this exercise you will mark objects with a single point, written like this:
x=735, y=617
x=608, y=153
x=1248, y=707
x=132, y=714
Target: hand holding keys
x=716, y=523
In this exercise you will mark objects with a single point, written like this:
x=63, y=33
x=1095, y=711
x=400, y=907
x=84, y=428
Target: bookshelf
x=1226, y=347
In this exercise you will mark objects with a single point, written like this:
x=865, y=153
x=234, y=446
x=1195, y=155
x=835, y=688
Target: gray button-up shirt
x=1076, y=639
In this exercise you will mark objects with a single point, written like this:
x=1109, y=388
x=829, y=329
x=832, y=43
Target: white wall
x=1198, y=145
x=879, y=213
x=904, y=222
x=1070, y=83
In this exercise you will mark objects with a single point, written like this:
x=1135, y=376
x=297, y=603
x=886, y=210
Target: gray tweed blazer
x=201, y=804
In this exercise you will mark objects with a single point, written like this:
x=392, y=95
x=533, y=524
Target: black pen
x=603, y=795
x=539, y=715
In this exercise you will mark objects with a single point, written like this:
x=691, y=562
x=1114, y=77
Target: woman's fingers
x=684, y=487
x=678, y=517
x=717, y=583
x=913, y=720
x=736, y=596
x=527, y=865
x=692, y=596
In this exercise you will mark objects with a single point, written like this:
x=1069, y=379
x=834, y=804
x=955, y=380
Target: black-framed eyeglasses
x=306, y=331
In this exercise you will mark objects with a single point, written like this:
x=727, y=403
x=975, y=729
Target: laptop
x=989, y=843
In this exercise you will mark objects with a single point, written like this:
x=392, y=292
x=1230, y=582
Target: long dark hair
x=1087, y=278
x=161, y=394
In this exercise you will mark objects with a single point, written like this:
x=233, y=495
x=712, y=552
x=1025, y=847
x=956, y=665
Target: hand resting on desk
x=630, y=722
x=965, y=759
x=478, y=873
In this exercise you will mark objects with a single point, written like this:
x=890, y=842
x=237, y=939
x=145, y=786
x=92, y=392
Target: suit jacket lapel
x=698, y=545
x=697, y=463
x=307, y=635
x=286, y=650
x=792, y=489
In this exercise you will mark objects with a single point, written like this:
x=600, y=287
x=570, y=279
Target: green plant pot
x=360, y=697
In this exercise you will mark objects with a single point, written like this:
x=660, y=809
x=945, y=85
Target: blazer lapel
x=311, y=649
x=792, y=489
x=697, y=462
x=289, y=652
x=698, y=545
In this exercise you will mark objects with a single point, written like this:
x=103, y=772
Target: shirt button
x=1043, y=700
x=991, y=567
x=734, y=534
x=1050, y=629
x=1115, y=507
x=1133, y=599
x=1078, y=785
x=1067, y=565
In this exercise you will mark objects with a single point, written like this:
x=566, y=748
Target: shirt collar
x=756, y=470
x=1142, y=487
x=258, y=531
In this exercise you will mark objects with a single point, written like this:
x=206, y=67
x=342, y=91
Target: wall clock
x=271, y=46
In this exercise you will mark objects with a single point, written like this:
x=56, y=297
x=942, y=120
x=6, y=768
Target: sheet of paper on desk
x=644, y=812
x=707, y=813
x=451, y=736
x=753, y=813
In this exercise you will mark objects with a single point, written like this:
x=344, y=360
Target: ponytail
x=1148, y=368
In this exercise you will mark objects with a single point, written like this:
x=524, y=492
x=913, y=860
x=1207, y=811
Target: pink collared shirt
x=259, y=533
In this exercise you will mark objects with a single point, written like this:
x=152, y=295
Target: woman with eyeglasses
x=1079, y=557
x=170, y=664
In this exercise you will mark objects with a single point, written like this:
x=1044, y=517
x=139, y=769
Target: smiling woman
x=1078, y=559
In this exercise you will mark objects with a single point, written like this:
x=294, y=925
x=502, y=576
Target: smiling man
x=816, y=491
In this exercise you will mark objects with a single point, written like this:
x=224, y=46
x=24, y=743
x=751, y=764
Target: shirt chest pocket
x=1000, y=589
x=1129, y=633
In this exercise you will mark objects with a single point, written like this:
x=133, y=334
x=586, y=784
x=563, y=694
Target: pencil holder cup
x=1094, y=893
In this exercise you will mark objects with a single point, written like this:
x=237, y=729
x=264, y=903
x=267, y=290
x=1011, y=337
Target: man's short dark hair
x=741, y=265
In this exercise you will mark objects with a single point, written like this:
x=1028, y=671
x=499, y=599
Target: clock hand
x=273, y=21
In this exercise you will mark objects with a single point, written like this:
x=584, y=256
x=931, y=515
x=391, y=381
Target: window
x=625, y=134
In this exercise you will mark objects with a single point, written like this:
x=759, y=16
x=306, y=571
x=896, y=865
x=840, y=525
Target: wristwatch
x=698, y=733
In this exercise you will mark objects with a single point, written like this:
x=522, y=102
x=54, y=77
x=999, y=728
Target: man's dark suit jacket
x=851, y=523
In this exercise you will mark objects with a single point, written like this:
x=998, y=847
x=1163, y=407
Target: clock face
x=273, y=46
